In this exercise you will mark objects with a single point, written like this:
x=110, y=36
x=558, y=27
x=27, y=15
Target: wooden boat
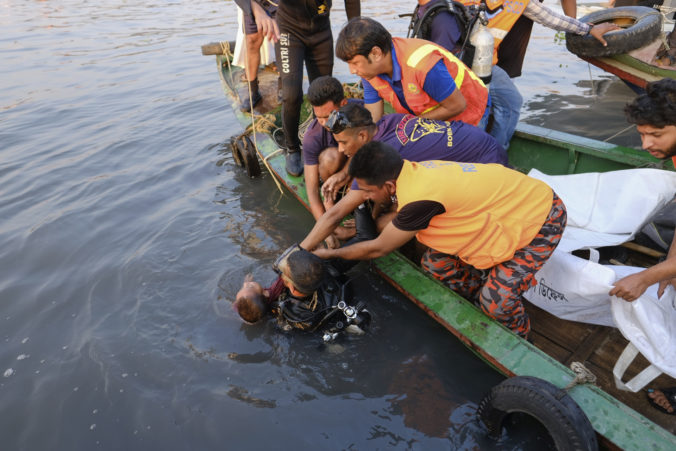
x=636, y=68
x=620, y=419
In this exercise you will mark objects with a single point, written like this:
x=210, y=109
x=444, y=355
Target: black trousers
x=294, y=48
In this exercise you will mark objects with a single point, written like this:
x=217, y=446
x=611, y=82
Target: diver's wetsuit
x=309, y=312
x=305, y=37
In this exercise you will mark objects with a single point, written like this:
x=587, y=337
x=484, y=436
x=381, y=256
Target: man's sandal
x=670, y=394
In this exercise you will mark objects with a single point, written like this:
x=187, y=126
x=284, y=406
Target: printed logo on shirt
x=413, y=88
x=419, y=128
x=465, y=167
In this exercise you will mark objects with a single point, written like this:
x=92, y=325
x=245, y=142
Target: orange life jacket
x=491, y=211
x=501, y=20
x=416, y=57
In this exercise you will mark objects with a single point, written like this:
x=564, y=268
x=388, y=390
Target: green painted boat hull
x=553, y=153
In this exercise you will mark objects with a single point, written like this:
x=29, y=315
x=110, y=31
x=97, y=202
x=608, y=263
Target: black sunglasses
x=338, y=121
x=285, y=255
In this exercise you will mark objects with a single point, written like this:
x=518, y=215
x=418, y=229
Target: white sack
x=239, y=55
x=606, y=209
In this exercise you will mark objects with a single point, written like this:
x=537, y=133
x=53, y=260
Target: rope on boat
x=619, y=133
x=353, y=90
x=266, y=127
x=582, y=376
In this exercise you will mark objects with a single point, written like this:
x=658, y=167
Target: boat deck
x=598, y=348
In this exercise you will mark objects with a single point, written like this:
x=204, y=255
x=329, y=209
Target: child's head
x=250, y=301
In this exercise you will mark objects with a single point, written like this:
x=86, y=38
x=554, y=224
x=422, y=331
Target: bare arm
x=569, y=8
x=391, y=239
x=633, y=286
x=330, y=220
x=376, y=109
x=312, y=185
x=448, y=108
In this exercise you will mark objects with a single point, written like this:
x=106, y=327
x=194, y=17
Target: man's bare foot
x=663, y=399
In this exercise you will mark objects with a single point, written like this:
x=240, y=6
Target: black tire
x=234, y=148
x=250, y=158
x=646, y=27
x=565, y=421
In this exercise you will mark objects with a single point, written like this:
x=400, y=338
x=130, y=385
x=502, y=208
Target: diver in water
x=308, y=295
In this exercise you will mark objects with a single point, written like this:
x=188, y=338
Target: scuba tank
x=483, y=43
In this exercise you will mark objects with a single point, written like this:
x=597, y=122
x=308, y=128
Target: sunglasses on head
x=337, y=122
x=276, y=266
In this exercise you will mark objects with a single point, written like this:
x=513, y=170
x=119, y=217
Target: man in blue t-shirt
x=416, y=139
x=320, y=150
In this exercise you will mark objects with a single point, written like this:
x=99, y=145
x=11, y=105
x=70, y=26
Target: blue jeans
x=506, y=106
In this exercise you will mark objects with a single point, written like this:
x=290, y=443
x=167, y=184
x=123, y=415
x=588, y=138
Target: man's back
x=419, y=139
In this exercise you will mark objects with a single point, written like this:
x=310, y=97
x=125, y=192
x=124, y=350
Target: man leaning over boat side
x=323, y=162
x=654, y=114
x=415, y=138
x=489, y=229
x=413, y=75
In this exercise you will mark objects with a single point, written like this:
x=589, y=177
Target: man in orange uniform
x=415, y=76
x=489, y=229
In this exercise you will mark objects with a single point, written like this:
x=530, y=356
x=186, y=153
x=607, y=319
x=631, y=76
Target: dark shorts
x=250, y=26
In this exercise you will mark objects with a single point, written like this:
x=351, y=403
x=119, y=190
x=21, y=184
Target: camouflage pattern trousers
x=498, y=290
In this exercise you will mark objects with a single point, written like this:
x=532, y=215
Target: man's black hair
x=657, y=107
x=323, y=89
x=306, y=271
x=359, y=36
x=376, y=163
x=357, y=114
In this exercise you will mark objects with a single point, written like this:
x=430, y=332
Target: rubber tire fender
x=565, y=421
x=250, y=158
x=646, y=28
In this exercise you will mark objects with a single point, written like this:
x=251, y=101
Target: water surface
x=126, y=230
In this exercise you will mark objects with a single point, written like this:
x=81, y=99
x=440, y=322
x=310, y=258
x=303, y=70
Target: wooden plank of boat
x=554, y=153
x=636, y=67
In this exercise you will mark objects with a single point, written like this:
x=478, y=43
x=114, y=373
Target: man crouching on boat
x=323, y=162
x=489, y=229
x=415, y=138
x=307, y=295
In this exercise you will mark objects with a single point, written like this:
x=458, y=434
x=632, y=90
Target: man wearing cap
x=488, y=228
